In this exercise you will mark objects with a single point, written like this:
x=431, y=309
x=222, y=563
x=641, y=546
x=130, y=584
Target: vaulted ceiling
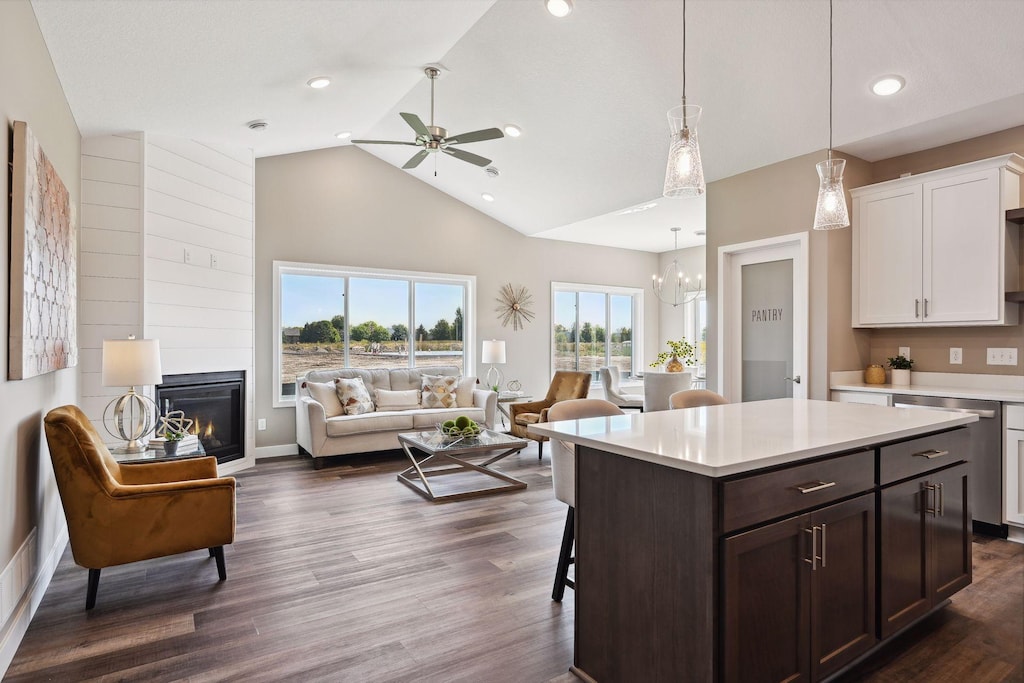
x=589, y=91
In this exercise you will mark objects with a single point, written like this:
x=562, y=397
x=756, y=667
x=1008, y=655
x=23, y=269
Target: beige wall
x=344, y=206
x=29, y=91
x=779, y=200
x=930, y=348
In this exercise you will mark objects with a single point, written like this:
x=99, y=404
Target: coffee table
x=448, y=455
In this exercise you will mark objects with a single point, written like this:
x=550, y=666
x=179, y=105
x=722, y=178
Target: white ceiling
x=590, y=91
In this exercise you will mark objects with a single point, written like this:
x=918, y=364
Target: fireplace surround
x=215, y=402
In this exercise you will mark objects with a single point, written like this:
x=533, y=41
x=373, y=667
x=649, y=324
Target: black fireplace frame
x=206, y=380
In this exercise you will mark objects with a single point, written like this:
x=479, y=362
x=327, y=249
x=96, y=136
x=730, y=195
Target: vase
x=170, y=447
x=875, y=374
x=901, y=378
x=673, y=364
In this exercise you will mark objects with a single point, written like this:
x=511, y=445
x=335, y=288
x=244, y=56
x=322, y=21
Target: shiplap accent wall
x=198, y=276
x=167, y=248
x=110, y=258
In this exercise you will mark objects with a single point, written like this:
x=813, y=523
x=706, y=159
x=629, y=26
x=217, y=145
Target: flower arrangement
x=682, y=350
x=900, y=363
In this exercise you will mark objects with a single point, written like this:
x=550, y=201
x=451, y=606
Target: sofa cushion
x=326, y=395
x=439, y=392
x=353, y=395
x=464, y=392
x=412, y=378
x=397, y=400
x=373, y=379
x=385, y=421
x=527, y=418
x=429, y=417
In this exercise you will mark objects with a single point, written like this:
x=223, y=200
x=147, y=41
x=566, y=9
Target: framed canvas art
x=43, y=289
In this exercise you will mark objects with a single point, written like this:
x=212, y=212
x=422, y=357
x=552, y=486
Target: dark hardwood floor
x=344, y=574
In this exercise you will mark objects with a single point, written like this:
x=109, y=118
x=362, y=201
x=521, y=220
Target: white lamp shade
x=131, y=362
x=493, y=352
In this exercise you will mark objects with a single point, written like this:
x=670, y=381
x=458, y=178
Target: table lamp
x=493, y=353
x=131, y=362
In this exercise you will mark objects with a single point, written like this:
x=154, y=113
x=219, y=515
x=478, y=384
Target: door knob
x=794, y=380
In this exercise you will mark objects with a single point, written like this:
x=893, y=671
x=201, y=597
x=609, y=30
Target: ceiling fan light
x=559, y=8
x=830, y=212
x=513, y=131
x=684, y=173
x=343, y=135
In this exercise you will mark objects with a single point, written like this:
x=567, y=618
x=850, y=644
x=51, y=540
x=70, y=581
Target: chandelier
x=673, y=286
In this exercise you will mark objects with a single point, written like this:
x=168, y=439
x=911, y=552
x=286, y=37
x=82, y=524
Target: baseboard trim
x=277, y=451
x=15, y=627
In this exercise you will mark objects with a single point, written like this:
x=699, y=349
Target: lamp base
x=493, y=379
x=132, y=448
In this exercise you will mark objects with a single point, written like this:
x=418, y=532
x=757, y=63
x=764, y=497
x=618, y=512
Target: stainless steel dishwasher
x=985, y=479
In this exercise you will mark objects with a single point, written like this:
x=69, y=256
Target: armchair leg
x=218, y=554
x=94, y=584
x=211, y=552
x=564, y=559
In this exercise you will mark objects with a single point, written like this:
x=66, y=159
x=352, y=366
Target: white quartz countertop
x=739, y=437
x=1004, y=388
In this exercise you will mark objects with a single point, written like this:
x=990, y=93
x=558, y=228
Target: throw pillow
x=464, y=392
x=398, y=400
x=439, y=391
x=353, y=396
x=324, y=394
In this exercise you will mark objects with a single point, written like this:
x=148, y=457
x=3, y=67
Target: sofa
x=321, y=435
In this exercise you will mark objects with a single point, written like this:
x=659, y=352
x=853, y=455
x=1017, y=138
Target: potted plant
x=900, y=366
x=172, y=437
x=679, y=355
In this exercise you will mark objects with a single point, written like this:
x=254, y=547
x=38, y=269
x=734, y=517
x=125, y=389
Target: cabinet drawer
x=761, y=497
x=917, y=456
x=1014, y=417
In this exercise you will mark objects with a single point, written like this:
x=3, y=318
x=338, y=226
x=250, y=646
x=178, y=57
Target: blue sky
x=308, y=298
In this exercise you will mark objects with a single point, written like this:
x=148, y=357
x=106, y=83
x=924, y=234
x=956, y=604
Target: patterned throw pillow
x=397, y=400
x=353, y=395
x=439, y=391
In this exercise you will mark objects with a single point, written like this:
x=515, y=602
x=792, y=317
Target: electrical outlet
x=188, y=256
x=956, y=356
x=905, y=351
x=213, y=260
x=1001, y=356
x=261, y=424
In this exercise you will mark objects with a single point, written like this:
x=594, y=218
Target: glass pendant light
x=684, y=173
x=830, y=212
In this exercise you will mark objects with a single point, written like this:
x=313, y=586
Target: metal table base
x=417, y=477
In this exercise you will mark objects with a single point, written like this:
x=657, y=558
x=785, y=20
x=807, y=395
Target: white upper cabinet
x=932, y=249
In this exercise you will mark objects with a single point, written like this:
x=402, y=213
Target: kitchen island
x=772, y=540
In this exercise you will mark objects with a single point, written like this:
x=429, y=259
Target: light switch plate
x=956, y=356
x=996, y=356
x=905, y=351
x=261, y=424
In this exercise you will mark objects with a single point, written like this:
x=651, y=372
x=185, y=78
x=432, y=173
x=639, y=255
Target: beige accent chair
x=565, y=385
x=119, y=513
x=612, y=393
x=563, y=474
x=695, y=398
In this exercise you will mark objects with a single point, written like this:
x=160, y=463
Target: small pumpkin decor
x=679, y=355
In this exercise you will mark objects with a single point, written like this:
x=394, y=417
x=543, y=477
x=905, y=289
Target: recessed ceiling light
x=318, y=82
x=559, y=8
x=487, y=197
x=700, y=233
x=513, y=131
x=637, y=209
x=258, y=125
x=888, y=85
x=343, y=135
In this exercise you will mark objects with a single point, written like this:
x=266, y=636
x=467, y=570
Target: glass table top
x=433, y=441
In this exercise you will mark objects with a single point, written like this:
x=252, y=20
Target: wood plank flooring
x=344, y=574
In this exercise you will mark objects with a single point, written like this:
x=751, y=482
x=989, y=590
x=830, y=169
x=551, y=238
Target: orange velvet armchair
x=565, y=385
x=125, y=513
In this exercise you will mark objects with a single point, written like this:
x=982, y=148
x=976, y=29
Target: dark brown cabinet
x=800, y=594
x=925, y=553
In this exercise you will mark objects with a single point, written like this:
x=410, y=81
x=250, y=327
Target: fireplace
x=215, y=402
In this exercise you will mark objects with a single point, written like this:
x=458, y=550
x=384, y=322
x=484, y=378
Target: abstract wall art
x=43, y=287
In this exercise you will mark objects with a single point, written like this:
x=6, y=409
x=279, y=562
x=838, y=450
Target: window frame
x=412, y=277
x=691, y=331
x=637, y=334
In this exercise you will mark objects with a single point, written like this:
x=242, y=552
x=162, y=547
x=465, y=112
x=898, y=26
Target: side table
x=506, y=397
x=158, y=455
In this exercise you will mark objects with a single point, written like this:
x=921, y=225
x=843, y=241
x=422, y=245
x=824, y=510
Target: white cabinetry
x=870, y=397
x=931, y=250
x=1013, y=464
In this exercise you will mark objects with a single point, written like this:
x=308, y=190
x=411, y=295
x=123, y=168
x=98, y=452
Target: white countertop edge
x=1006, y=396
x=547, y=429
x=1006, y=388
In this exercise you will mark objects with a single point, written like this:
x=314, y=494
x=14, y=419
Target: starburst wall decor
x=514, y=306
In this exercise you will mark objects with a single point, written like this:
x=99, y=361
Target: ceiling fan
x=435, y=139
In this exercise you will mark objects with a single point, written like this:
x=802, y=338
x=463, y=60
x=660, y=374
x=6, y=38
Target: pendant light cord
x=830, y=80
x=684, y=54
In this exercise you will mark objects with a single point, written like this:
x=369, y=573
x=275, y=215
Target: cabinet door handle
x=930, y=453
x=917, y=308
x=813, y=531
x=925, y=488
x=824, y=545
x=926, y=308
x=942, y=500
x=812, y=486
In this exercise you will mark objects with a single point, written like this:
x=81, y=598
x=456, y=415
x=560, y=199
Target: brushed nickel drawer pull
x=812, y=486
x=930, y=453
x=814, y=548
x=824, y=544
x=925, y=488
x=942, y=500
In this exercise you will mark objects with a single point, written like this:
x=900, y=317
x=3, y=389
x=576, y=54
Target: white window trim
x=295, y=267
x=638, y=319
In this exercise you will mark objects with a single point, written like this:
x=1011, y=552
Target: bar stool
x=692, y=398
x=563, y=474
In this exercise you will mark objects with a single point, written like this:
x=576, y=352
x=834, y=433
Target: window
x=697, y=330
x=596, y=326
x=332, y=317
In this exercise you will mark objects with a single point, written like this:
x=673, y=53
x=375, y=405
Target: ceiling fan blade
x=476, y=136
x=382, y=142
x=415, y=123
x=466, y=156
x=417, y=159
